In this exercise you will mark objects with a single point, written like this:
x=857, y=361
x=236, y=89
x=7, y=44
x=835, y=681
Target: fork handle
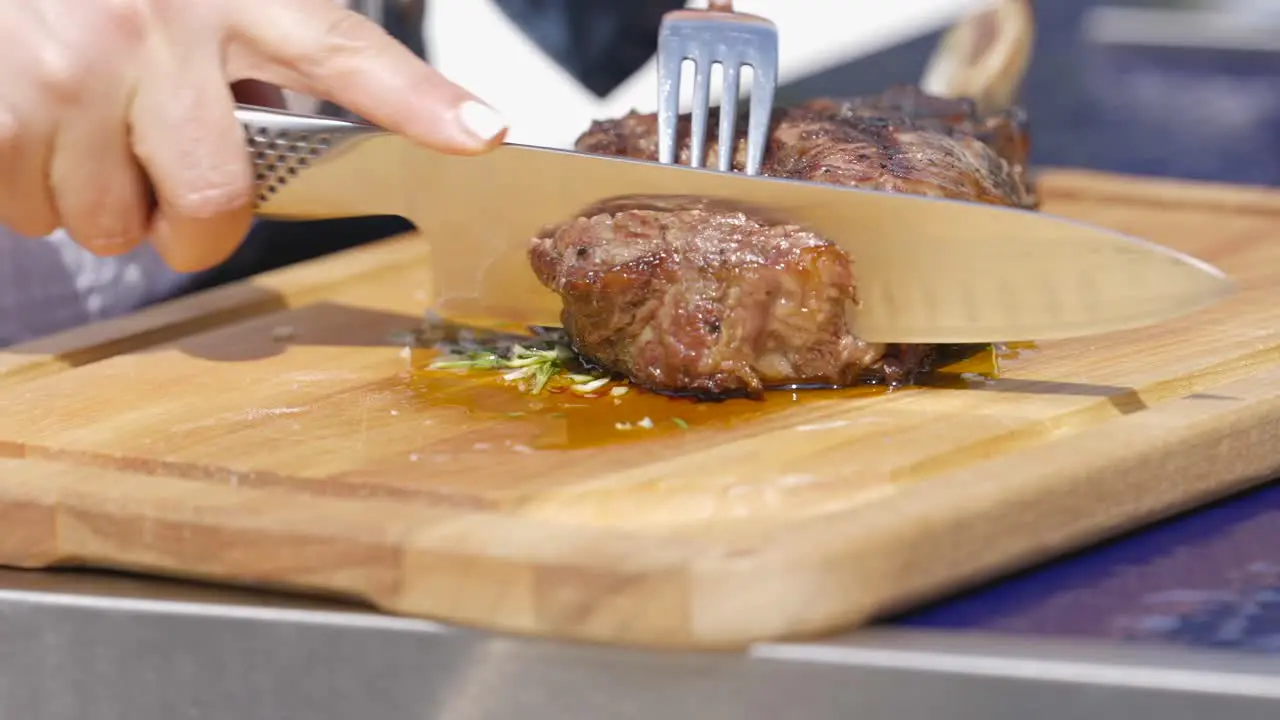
x=285, y=146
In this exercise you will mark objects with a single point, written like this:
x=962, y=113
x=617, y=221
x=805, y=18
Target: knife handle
x=283, y=145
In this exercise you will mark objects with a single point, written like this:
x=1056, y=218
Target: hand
x=116, y=116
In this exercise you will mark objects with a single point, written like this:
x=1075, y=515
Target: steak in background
x=683, y=296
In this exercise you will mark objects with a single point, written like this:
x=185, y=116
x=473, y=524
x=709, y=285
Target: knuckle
x=125, y=19
x=68, y=63
x=200, y=171
x=167, y=11
x=10, y=132
x=109, y=245
x=104, y=217
x=98, y=233
x=347, y=36
x=61, y=74
x=209, y=200
x=351, y=29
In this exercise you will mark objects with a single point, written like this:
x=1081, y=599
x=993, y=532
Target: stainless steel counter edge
x=73, y=648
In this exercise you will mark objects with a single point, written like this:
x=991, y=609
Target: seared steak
x=682, y=296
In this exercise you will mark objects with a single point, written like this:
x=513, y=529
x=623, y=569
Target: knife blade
x=928, y=270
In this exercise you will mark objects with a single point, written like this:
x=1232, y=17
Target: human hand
x=117, y=118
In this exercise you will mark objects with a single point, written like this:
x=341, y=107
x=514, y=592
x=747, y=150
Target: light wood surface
x=269, y=433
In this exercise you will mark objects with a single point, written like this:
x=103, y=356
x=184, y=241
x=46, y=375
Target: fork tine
x=670, y=61
x=728, y=115
x=764, y=80
x=701, y=109
x=729, y=39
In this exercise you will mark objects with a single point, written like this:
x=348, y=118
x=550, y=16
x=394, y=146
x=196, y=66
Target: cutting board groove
x=265, y=434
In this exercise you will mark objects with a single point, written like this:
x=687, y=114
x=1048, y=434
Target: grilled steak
x=683, y=296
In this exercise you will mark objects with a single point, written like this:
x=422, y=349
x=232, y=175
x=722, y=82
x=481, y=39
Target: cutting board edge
x=1246, y=438
x=704, y=584
x=60, y=516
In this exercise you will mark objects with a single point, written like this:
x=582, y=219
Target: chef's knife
x=928, y=270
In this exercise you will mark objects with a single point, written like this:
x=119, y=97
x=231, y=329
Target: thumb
x=316, y=47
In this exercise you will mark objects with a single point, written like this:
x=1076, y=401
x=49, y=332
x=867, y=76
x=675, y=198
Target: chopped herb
x=543, y=375
x=475, y=360
x=680, y=423
x=544, y=361
x=533, y=369
x=589, y=388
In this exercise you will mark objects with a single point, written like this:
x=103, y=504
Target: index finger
x=319, y=48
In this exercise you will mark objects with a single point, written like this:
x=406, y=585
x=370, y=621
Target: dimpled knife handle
x=284, y=145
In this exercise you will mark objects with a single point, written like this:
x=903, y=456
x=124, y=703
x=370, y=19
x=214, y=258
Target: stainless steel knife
x=928, y=270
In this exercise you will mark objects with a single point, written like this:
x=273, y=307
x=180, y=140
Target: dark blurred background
x=1180, y=88
x=1175, y=88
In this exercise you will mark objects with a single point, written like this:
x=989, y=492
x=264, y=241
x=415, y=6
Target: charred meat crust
x=901, y=140
x=686, y=297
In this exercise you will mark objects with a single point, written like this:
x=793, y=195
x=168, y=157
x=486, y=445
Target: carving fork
x=717, y=35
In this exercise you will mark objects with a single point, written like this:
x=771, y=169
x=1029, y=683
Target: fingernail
x=110, y=245
x=483, y=121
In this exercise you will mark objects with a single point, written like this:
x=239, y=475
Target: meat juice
x=561, y=420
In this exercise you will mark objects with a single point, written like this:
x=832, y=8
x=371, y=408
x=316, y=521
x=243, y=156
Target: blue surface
x=1211, y=577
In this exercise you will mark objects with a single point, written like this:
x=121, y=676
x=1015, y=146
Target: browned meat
x=686, y=297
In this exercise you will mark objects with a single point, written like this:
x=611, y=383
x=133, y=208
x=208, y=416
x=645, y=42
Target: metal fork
x=717, y=35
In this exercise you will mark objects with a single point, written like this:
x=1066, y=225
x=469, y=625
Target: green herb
x=475, y=360
x=680, y=423
x=543, y=375
x=533, y=363
x=530, y=368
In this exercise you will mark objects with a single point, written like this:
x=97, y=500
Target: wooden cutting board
x=269, y=433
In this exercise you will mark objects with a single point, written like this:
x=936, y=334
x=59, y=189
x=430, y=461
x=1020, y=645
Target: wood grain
x=271, y=434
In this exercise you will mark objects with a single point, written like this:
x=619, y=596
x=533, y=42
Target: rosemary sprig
x=530, y=367
x=535, y=363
